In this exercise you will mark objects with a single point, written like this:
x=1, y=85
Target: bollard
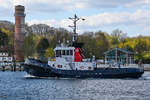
x=3, y=68
x=20, y=68
x=14, y=68
x=11, y=68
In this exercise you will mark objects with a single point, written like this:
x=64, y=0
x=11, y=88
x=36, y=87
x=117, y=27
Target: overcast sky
x=130, y=16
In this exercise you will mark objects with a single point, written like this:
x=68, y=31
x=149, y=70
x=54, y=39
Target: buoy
x=58, y=66
x=81, y=67
x=89, y=67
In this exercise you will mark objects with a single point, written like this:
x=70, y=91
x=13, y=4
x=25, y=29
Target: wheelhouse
x=65, y=52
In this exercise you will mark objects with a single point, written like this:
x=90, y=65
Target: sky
x=130, y=16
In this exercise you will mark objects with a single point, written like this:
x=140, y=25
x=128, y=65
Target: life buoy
x=89, y=68
x=76, y=50
x=58, y=66
x=81, y=67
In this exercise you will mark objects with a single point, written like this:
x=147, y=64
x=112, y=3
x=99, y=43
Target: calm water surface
x=17, y=86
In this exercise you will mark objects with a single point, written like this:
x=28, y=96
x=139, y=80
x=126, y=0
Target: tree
x=128, y=44
x=140, y=46
x=41, y=29
x=102, y=43
x=89, y=44
x=3, y=38
x=41, y=47
x=49, y=53
x=118, y=36
x=146, y=57
x=29, y=46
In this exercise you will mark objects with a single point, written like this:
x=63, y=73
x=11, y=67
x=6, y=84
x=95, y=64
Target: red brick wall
x=19, y=36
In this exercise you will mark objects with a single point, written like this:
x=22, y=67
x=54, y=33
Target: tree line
x=41, y=39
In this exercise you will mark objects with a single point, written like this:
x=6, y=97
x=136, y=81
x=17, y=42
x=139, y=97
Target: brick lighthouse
x=19, y=32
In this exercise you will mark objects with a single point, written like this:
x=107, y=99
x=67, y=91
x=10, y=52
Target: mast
x=74, y=27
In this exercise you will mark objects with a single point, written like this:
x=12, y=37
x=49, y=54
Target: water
x=15, y=86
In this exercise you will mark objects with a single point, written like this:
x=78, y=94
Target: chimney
x=19, y=32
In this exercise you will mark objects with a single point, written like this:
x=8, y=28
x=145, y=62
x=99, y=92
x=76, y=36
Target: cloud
x=139, y=18
x=5, y=4
x=5, y=8
x=19, y=2
x=127, y=18
x=130, y=21
x=52, y=6
x=52, y=22
x=138, y=3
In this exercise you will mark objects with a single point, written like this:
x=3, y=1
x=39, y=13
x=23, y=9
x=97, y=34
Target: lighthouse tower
x=19, y=32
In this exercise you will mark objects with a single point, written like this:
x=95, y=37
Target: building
x=5, y=57
x=119, y=55
x=19, y=32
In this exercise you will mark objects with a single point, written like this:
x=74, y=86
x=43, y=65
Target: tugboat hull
x=37, y=68
x=42, y=69
x=39, y=71
x=100, y=73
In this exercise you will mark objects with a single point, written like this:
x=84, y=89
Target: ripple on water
x=14, y=86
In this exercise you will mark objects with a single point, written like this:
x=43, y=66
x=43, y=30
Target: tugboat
x=69, y=62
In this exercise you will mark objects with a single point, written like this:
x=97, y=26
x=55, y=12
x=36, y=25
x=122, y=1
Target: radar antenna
x=74, y=27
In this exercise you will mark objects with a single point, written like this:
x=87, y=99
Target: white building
x=5, y=59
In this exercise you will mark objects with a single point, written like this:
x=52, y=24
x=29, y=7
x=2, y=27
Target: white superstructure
x=65, y=59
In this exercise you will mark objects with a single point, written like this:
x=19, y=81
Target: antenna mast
x=74, y=27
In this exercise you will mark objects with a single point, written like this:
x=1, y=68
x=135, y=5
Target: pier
x=13, y=68
x=18, y=67
x=146, y=67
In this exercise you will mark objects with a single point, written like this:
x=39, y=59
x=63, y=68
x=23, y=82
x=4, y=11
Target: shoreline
x=11, y=68
x=20, y=68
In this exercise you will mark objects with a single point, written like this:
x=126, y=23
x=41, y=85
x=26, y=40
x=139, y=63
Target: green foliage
x=129, y=45
x=41, y=47
x=29, y=46
x=41, y=39
x=3, y=38
x=102, y=44
x=140, y=46
x=146, y=57
x=49, y=53
x=115, y=41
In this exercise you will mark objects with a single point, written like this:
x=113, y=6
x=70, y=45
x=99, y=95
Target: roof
x=64, y=48
x=120, y=49
x=4, y=48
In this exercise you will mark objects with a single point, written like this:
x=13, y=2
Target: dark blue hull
x=38, y=71
x=100, y=73
x=42, y=69
x=97, y=73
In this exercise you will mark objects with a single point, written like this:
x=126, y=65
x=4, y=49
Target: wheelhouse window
x=63, y=52
x=67, y=52
x=71, y=52
x=58, y=53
